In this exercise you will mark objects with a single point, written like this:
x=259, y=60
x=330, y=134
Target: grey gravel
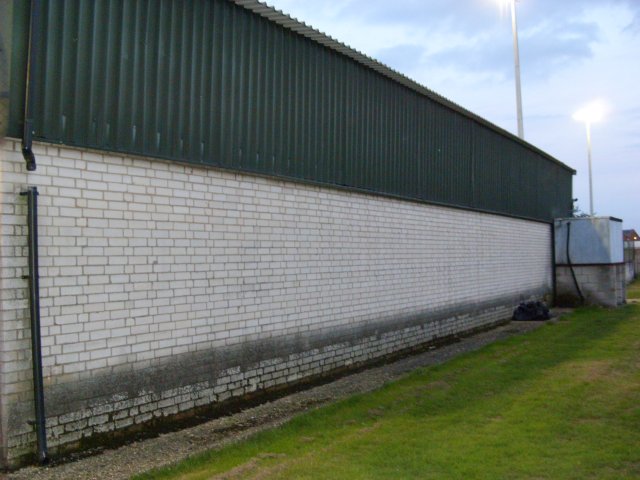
x=169, y=448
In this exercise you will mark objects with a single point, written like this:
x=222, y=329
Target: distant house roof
x=630, y=235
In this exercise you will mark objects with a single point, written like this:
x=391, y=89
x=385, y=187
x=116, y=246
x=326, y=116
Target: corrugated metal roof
x=211, y=82
x=301, y=28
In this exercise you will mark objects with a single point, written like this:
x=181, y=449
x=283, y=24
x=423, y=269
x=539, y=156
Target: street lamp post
x=588, y=115
x=588, y=125
x=516, y=58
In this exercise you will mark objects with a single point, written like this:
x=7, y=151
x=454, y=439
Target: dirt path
x=123, y=462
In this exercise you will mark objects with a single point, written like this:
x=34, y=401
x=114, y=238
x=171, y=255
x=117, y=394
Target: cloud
x=631, y=113
x=553, y=35
x=549, y=47
x=634, y=26
x=444, y=15
x=470, y=36
x=403, y=58
x=552, y=46
x=433, y=16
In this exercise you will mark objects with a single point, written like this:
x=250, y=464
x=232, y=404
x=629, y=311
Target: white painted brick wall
x=144, y=261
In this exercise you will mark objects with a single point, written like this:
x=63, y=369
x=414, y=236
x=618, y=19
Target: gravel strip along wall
x=136, y=458
x=165, y=287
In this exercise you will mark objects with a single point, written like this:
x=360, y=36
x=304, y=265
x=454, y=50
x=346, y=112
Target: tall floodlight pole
x=589, y=114
x=516, y=58
x=588, y=125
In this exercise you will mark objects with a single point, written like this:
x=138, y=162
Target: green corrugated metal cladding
x=211, y=82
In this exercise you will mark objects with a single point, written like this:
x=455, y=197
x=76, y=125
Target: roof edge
x=301, y=28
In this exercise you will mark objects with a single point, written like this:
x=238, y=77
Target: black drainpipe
x=34, y=308
x=573, y=273
x=554, y=282
x=32, y=55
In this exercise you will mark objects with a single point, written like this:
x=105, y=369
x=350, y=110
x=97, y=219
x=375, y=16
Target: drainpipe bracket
x=27, y=152
x=30, y=158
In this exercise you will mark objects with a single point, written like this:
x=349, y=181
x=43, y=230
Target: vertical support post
x=516, y=58
x=34, y=308
x=588, y=124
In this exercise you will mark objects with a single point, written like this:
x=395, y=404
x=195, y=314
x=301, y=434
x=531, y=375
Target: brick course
x=148, y=265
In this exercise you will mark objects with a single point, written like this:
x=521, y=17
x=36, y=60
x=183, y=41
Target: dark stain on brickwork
x=118, y=397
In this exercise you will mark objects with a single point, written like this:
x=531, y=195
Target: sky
x=572, y=52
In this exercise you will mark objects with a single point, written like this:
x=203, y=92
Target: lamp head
x=591, y=113
x=505, y=4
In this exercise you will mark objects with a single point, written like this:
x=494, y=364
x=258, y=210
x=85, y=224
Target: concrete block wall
x=166, y=286
x=629, y=272
x=599, y=284
x=596, y=255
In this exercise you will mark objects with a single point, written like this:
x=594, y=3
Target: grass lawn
x=562, y=402
x=633, y=289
